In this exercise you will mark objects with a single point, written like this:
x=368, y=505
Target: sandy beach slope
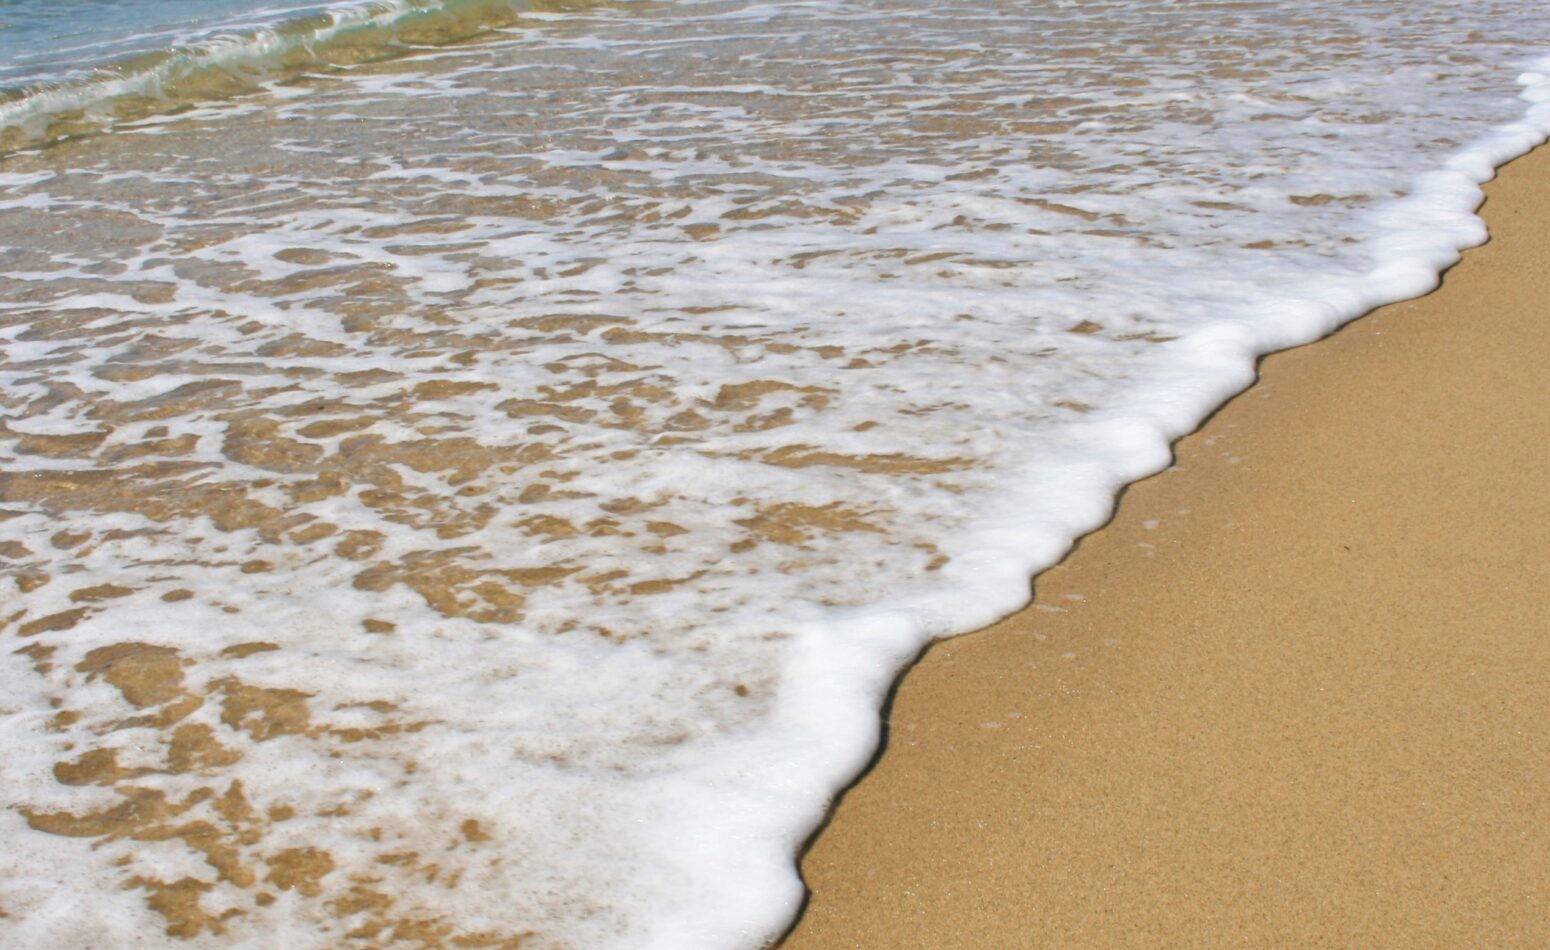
x=1297, y=693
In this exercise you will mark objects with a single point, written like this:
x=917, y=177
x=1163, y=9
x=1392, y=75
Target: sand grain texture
x=1297, y=693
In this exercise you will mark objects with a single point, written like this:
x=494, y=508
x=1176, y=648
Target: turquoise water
x=52, y=40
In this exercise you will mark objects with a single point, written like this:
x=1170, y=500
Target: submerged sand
x=1296, y=693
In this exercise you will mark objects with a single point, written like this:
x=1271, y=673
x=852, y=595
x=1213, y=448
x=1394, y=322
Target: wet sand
x=1296, y=693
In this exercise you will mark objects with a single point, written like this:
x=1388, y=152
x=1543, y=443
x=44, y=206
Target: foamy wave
x=230, y=61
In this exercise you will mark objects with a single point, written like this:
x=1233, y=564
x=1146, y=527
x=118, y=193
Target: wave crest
x=231, y=64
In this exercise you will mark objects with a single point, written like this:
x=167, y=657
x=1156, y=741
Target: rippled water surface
x=439, y=495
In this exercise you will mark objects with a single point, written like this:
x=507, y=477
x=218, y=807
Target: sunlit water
x=58, y=40
x=477, y=496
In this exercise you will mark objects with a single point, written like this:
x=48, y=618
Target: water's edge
x=440, y=275
x=1441, y=210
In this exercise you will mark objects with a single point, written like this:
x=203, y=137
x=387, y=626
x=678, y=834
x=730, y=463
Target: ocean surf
x=477, y=490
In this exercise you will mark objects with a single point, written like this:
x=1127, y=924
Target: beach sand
x=1296, y=693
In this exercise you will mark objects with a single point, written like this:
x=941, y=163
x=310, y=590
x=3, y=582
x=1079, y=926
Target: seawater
x=70, y=65
x=51, y=42
x=470, y=479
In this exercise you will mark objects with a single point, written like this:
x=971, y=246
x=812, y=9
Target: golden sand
x=1296, y=693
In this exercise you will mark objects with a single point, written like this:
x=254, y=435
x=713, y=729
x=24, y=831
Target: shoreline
x=1294, y=692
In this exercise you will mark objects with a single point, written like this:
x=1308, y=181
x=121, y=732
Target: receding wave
x=234, y=63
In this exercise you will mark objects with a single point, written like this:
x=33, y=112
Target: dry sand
x=1297, y=693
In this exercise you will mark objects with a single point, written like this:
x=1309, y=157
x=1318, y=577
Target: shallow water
x=475, y=493
x=47, y=42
